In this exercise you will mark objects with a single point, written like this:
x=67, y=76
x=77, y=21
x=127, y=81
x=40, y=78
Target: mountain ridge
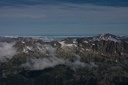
x=74, y=60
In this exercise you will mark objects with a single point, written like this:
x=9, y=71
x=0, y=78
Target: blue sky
x=63, y=17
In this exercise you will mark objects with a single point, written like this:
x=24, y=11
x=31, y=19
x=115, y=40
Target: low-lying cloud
x=40, y=64
x=43, y=63
x=7, y=51
x=52, y=61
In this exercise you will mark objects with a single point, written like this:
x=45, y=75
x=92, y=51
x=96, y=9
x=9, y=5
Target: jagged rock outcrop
x=106, y=45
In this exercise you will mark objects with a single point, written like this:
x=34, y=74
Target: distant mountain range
x=97, y=60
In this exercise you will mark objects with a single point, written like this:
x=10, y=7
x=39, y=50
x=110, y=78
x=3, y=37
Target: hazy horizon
x=61, y=35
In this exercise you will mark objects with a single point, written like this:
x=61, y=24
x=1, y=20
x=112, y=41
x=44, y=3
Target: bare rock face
x=97, y=60
x=106, y=45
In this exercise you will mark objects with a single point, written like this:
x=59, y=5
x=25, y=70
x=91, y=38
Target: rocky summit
x=97, y=60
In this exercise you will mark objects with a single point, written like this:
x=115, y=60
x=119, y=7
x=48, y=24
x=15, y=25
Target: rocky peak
x=68, y=41
x=106, y=37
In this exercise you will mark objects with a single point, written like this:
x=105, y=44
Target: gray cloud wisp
x=52, y=61
x=7, y=51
